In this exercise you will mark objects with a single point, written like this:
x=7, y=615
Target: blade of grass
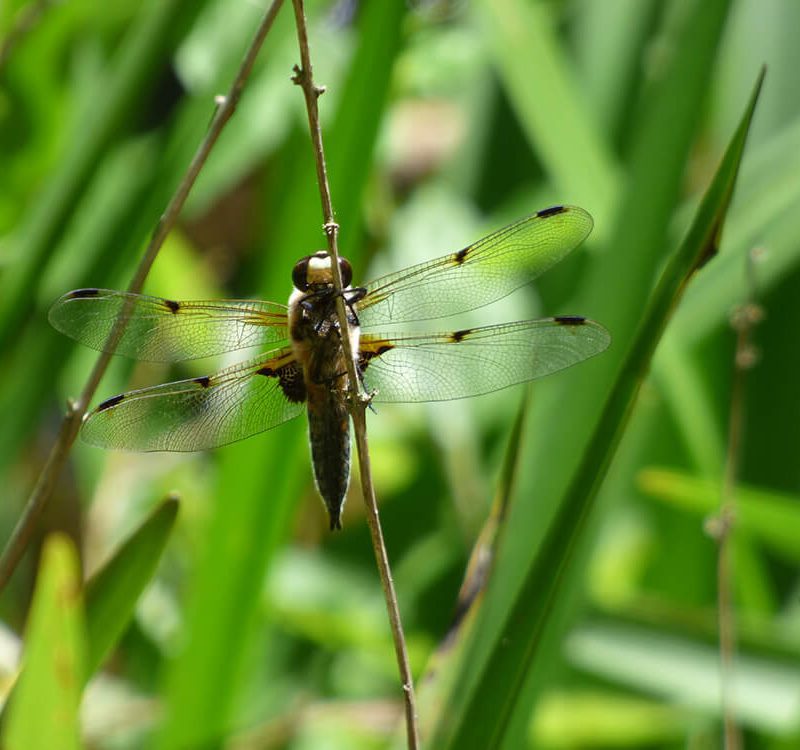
x=610, y=39
x=763, y=214
x=112, y=592
x=522, y=39
x=144, y=52
x=685, y=671
x=441, y=669
x=44, y=710
x=710, y=302
x=115, y=202
x=486, y=714
x=615, y=289
x=687, y=394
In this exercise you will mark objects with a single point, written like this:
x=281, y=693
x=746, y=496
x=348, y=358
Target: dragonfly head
x=314, y=272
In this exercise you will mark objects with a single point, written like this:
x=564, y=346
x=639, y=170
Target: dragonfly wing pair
x=268, y=390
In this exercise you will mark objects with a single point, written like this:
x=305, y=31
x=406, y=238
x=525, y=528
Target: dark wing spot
x=552, y=211
x=290, y=378
x=172, y=305
x=79, y=293
x=457, y=336
x=109, y=402
x=365, y=355
x=461, y=255
x=204, y=381
x=570, y=320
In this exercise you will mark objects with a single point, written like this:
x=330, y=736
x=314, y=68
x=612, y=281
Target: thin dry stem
x=70, y=426
x=744, y=319
x=26, y=19
x=358, y=402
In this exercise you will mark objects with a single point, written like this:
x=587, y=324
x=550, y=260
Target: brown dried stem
x=38, y=499
x=25, y=20
x=743, y=321
x=358, y=401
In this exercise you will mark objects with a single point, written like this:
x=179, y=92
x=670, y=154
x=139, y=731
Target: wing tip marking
x=83, y=293
x=110, y=402
x=570, y=320
x=461, y=255
x=172, y=305
x=551, y=211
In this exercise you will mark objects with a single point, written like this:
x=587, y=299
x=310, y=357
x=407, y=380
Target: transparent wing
x=444, y=366
x=163, y=330
x=202, y=413
x=479, y=274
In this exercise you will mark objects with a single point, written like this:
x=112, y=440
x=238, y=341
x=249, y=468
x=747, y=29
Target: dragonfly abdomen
x=329, y=435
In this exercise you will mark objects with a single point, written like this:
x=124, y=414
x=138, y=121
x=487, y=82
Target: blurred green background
x=442, y=121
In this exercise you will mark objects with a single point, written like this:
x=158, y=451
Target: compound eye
x=300, y=274
x=346, y=270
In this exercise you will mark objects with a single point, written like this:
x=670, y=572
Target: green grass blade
x=539, y=84
x=441, y=669
x=112, y=593
x=486, y=714
x=610, y=39
x=684, y=671
x=44, y=708
x=140, y=59
x=615, y=289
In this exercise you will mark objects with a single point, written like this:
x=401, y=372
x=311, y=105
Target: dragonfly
x=305, y=368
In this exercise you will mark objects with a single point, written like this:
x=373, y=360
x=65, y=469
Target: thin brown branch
x=304, y=78
x=26, y=19
x=69, y=429
x=743, y=321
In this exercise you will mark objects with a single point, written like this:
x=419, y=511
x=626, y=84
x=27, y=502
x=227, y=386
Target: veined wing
x=480, y=273
x=165, y=330
x=445, y=366
x=202, y=413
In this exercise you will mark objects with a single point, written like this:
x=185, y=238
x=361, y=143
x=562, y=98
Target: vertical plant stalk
x=743, y=319
x=304, y=78
x=70, y=426
x=26, y=19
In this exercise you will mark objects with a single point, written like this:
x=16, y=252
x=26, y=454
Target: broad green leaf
x=44, y=706
x=112, y=592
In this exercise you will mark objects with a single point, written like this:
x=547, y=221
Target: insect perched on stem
x=307, y=368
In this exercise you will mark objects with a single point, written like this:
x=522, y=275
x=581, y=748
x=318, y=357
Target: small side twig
x=72, y=421
x=721, y=527
x=358, y=402
x=26, y=19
